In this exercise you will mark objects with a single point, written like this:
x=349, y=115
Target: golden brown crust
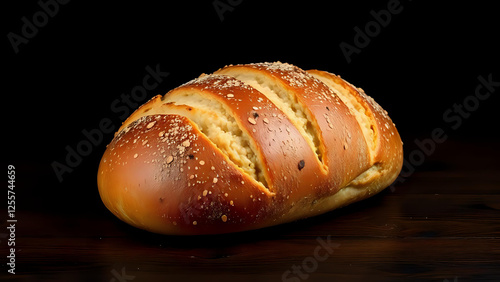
x=163, y=173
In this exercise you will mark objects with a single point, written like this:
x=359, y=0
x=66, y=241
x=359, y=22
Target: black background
x=66, y=77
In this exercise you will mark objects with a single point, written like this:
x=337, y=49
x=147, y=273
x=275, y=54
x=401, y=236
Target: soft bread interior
x=286, y=101
x=218, y=124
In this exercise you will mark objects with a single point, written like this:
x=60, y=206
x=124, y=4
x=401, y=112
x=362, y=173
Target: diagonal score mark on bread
x=282, y=96
x=376, y=126
x=214, y=118
x=353, y=102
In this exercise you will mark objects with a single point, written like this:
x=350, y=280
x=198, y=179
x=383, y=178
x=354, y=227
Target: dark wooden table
x=441, y=224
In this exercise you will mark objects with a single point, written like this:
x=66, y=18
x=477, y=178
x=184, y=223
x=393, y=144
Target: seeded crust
x=247, y=147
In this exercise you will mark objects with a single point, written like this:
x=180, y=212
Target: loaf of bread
x=247, y=147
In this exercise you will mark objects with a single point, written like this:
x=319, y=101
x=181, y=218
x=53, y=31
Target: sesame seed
x=135, y=156
x=186, y=143
x=169, y=159
x=205, y=192
x=231, y=203
x=194, y=222
x=151, y=124
x=252, y=120
x=224, y=218
x=215, y=180
x=212, y=168
x=230, y=95
x=202, y=162
x=266, y=120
